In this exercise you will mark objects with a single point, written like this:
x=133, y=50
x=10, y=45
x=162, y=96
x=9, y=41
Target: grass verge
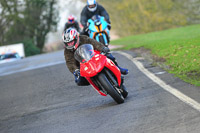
x=180, y=47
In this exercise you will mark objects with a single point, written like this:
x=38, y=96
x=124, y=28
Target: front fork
x=114, y=81
x=97, y=86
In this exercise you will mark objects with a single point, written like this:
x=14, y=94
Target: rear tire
x=110, y=89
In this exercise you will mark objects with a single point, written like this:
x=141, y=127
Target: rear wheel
x=105, y=83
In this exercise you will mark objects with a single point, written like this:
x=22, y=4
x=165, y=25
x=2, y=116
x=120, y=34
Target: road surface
x=38, y=95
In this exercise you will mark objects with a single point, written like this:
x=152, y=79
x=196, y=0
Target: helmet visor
x=71, y=20
x=92, y=6
x=70, y=45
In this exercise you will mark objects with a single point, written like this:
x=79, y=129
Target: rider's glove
x=86, y=28
x=76, y=75
x=105, y=50
x=109, y=26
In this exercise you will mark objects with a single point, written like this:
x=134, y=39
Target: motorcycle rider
x=92, y=8
x=72, y=23
x=72, y=40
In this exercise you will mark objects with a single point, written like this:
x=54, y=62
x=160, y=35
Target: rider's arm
x=66, y=26
x=84, y=17
x=77, y=26
x=71, y=63
x=97, y=45
x=104, y=13
x=86, y=40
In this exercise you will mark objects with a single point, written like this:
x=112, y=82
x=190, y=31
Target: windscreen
x=84, y=53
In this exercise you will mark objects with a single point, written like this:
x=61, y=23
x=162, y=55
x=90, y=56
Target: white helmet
x=92, y=5
x=71, y=38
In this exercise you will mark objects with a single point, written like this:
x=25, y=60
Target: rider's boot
x=123, y=71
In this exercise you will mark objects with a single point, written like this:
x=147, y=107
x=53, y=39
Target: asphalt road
x=38, y=95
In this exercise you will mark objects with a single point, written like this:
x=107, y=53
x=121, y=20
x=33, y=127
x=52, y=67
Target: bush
x=30, y=48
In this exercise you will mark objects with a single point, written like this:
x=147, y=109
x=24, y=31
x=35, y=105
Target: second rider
x=92, y=8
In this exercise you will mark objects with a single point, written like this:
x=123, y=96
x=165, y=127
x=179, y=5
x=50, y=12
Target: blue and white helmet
x=92, y=5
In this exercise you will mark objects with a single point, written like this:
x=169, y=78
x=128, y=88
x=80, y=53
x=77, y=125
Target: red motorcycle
x=101, y=73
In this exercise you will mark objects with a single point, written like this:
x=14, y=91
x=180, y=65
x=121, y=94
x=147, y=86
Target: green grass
x=180, y=47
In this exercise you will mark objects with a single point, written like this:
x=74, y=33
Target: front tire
x=101, y=39
x=103, y=80
x=125, y=92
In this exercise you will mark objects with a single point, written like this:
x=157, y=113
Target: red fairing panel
x=95, y=87
x=110, y=65
x=93, y=66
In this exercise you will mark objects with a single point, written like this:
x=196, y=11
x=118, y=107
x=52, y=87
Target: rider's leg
x=123, y=70
x=81, y=81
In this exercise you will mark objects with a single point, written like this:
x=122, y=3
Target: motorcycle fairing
x=95, y=31
x=93, y=66
x=111, y=66
x=96, y=65
x=92, y=26
x=104, y=23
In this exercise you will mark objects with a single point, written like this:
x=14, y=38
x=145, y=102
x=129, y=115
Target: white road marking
x=32, y=68
x=162, y=84
x=159, y=73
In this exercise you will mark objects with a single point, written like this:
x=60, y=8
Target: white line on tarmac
x=162, y=84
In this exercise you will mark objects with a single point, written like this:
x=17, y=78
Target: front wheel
x=124, y=91
x=101, y=39
x=105, y=83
